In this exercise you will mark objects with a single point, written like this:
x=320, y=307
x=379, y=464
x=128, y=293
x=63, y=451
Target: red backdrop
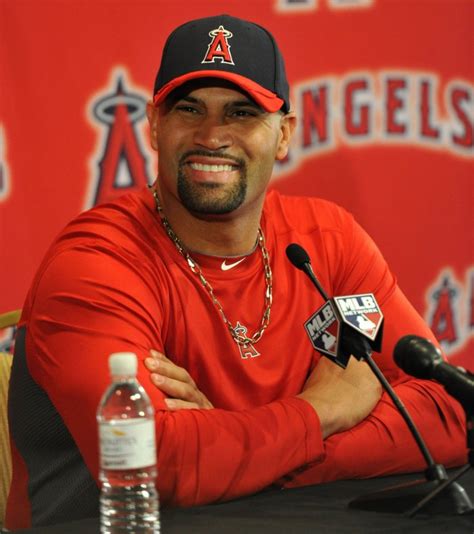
x=383, y=89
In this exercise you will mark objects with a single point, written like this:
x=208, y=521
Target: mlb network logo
x=361, y=312
x=323, y=330
x=334, y=320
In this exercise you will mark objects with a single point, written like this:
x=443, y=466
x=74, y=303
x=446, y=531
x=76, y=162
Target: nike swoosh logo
x=227, y=266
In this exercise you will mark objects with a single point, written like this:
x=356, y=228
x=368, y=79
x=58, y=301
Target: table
x=322, y=508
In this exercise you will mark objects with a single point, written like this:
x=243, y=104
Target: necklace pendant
x=246, y=349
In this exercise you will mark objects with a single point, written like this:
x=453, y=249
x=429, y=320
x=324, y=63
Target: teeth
x=211, y=168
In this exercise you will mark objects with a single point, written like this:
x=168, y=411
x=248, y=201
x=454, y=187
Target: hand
x=342, y=398
x=175, y=382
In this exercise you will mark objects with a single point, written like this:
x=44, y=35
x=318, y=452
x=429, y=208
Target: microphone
x=418, y=357
x=351, y=325
x=344, y=326
x=300, y=259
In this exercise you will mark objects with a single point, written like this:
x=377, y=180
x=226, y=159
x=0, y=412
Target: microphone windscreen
x=416, y=356
x=297, y=255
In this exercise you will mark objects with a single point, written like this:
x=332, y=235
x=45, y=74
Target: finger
x=169, y=369
x=177, y=404
x=157, y=354
x=176, y=388
x=206, y=404
x=152, y=361
x=181, y=391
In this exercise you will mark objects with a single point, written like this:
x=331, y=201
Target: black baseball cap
x=229, y=48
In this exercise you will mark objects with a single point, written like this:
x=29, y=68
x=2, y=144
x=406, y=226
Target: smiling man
x=217, y=149
x=191, y=275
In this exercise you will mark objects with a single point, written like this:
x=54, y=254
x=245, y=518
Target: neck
x=218, y=235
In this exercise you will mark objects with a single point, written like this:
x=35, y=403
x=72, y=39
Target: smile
x=211, y=168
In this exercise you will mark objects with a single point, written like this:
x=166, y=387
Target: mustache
x=207, y=154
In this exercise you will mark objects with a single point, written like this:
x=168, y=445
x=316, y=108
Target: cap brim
x=263, y=97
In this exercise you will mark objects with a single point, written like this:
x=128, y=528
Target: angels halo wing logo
x=219, y=47
x=246, y=351
x=120, y=161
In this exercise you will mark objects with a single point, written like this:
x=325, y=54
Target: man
x=192, y=276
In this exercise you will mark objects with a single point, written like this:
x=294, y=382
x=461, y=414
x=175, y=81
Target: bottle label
x=127, y=444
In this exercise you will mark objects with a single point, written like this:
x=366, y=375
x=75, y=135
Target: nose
x=213, y=133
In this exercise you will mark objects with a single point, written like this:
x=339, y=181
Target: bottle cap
x=123, y=363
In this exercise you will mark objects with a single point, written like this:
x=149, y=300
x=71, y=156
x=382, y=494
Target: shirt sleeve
x=382, y=444
x=89, y=302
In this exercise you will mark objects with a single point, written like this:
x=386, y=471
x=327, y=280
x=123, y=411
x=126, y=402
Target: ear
x=287, y=127
x=153, y=118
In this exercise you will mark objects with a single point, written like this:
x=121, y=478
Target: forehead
x=209, y=88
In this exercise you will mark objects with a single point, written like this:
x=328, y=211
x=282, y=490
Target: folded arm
x=77, y=320
x=382, y=444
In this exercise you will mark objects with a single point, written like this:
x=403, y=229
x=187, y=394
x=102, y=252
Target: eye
x=186, y=108
x=243, y=113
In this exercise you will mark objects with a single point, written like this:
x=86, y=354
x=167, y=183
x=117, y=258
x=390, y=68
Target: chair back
x=5, y=455
x=7, y=320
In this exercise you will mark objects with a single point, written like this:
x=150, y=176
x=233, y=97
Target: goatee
x=211, y=198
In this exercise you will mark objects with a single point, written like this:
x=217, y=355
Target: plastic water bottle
x=128, y=500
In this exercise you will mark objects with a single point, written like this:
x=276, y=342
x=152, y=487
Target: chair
x=6, y=320
x=10, y=318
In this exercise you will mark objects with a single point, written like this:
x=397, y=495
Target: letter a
x=442, y=322
x=219, y=47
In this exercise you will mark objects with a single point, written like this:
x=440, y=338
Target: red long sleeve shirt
x=114, y=281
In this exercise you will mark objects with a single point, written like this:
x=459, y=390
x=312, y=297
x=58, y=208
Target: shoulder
x=109, y=245
x=344, y=256
x=305, y=214
x=126, y=225
x=130, y=211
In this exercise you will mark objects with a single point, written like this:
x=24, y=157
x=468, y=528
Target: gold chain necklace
x=241, y=340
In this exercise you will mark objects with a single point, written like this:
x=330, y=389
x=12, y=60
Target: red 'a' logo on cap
x=219, y=47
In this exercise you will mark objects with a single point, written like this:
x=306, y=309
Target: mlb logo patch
x=323, y=330
x=361, y=312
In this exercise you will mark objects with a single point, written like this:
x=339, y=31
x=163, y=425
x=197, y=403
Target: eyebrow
x=251, y=103
x=235, y=103
x=190, y=99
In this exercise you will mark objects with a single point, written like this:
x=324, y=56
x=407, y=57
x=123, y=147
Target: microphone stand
x=436, y=494
x=470, y=446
